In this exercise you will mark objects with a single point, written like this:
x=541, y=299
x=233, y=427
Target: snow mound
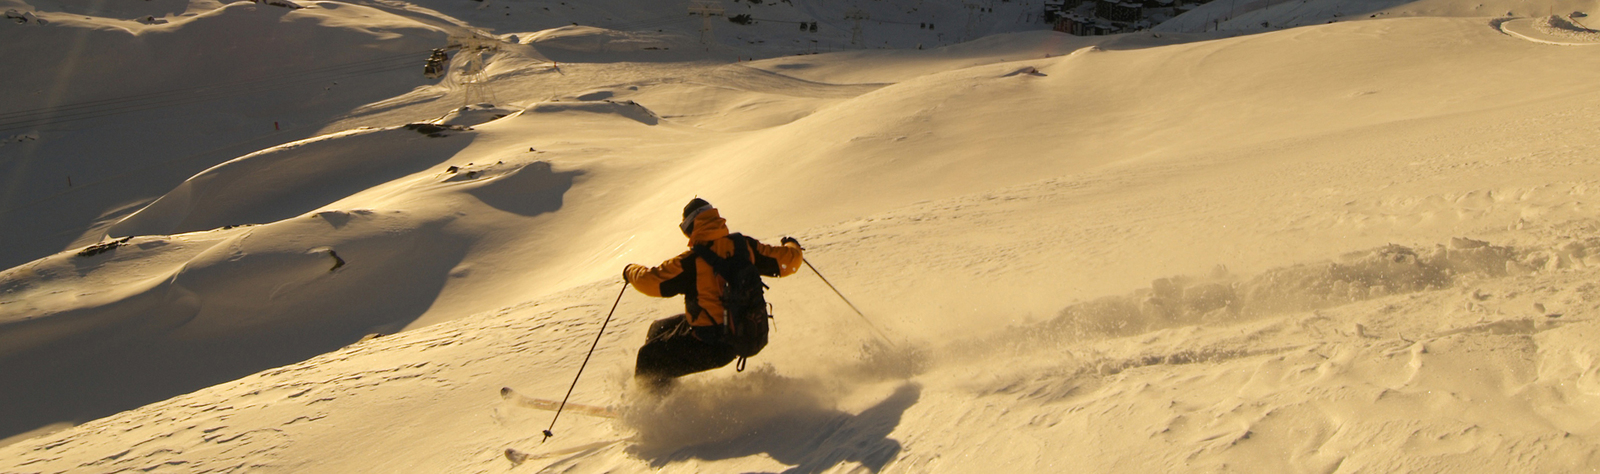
x=620, y=108
x=289, y=180
x=526, y=190
x=165, y=315
x=475, y=114
x=25, y=18
x=225, y=46
x=19, y=138
x=139, y=108
x=1027, y=70
x=280, y=3
x=589, y=39
x=1556, y=25
x=157, y=8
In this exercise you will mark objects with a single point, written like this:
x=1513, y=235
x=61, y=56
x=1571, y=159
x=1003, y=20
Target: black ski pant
x=671, y=350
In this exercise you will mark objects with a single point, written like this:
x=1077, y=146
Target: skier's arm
x=780, y=260
x=666, y=280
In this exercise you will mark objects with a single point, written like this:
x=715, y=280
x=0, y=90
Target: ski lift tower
x=474, y=81
x=857, y=15
x=706, y=9
x=973, y=10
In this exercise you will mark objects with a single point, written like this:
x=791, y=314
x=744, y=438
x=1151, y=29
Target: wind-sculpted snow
x=274, y=283
x=122, y=111
x=1359, y=276
x=731, y=97
x=475, y=114
x=587, y=44
x=165, y=315
x=626, y=109
x=526, y=190
x=291, y=179
x=757, y=80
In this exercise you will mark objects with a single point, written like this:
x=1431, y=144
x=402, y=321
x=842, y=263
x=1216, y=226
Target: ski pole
x=847, y=301
x=548, y=433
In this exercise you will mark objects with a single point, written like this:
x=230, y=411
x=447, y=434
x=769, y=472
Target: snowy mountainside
x=1248, y=17
x=205, y=74
x=1360, y=246
x=122, y=10
x=123, y=111
x=775, y=24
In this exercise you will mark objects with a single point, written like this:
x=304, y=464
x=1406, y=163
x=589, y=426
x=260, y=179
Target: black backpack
x=743, y=298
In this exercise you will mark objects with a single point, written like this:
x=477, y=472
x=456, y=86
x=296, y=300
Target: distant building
x=1104, y=17
x=1117, y=10
x=1158, y=11
x=1080, y=25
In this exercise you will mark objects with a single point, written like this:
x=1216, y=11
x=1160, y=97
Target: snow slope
x=1359, y=246
x=1254, y=16
x=122, y=111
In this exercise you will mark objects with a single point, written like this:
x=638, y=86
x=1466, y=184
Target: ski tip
x=516, y=457
x=505, y=391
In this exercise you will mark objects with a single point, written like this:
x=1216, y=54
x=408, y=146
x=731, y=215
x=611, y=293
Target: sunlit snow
x=1263, y=236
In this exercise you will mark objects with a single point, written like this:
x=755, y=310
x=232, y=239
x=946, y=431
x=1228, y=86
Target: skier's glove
x=789, y=240
x=627, y=270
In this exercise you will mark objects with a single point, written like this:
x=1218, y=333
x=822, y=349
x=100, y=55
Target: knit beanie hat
x=694, y=204
x=690, y=211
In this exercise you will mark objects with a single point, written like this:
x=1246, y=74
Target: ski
x=552, y=405
x=517, y=456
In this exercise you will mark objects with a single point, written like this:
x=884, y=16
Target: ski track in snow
x=1553, y=30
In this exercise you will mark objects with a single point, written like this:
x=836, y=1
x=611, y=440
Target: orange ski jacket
x=694, y=278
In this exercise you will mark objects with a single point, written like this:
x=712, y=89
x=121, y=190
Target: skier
x=699, y=340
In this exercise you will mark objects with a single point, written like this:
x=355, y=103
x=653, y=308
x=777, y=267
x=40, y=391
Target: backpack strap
x=724, y=266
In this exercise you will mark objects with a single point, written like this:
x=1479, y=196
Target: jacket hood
x=708, y=226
